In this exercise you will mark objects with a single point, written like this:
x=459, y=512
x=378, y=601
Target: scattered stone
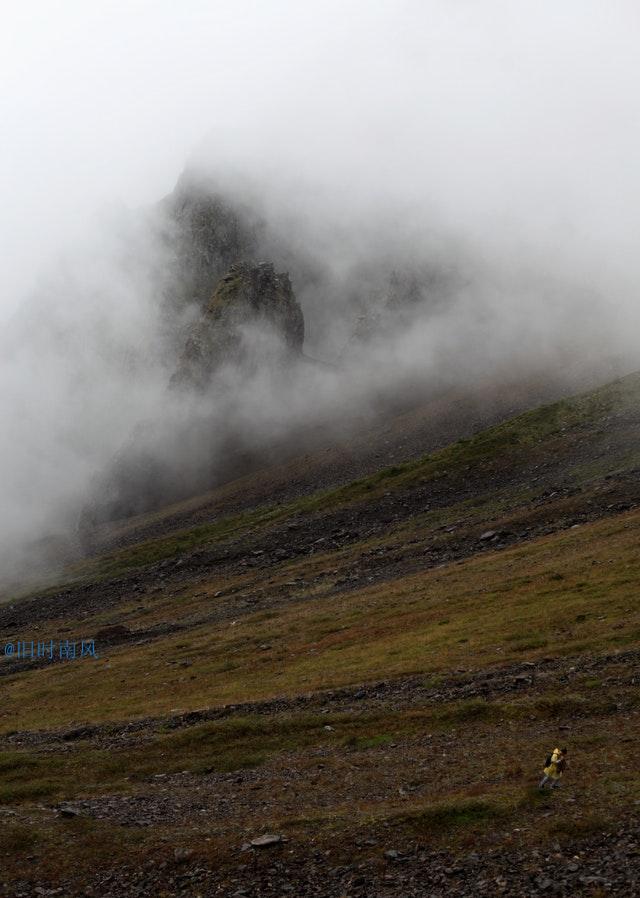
x=78, y=733
x=267, y=840
x=69, y=812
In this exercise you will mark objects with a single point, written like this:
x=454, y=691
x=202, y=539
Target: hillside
x=372, y=669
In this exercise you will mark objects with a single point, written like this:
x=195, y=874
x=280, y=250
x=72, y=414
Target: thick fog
x=483, y=155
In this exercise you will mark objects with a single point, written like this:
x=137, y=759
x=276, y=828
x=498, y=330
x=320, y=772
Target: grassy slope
x=541, y=434
x=563, y=594
x=571, y=593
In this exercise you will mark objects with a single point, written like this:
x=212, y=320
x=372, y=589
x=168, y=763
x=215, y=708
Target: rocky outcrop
x=206, y=233
x=252, y=321
x=247, y=296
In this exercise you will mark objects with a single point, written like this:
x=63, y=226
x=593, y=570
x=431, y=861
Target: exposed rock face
x=248, y=295
x=207, y=234
x=250, y=319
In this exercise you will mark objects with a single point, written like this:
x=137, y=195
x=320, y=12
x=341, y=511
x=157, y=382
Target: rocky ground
x=410, y=784
x=267, y=830
x=607, y=864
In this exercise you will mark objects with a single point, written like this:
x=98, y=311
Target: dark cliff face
x=234, y=323
x=206, y=233
x=253, y=325
x=248, y=296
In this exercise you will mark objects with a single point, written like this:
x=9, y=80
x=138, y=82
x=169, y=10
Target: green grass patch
x=20, y=792
x=454, y=814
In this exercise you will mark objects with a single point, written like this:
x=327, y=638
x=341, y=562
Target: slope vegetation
x=372, y=672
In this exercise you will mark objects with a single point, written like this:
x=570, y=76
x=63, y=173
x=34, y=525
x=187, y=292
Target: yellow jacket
x=552, y=769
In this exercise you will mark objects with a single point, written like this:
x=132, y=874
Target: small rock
x=69, y=812
x=267, y=840
x=488, y=534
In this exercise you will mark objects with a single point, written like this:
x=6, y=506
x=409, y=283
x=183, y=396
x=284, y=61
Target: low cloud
x=480, y=158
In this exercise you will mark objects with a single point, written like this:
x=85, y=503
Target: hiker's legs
x=555, y=784
x=543, y=782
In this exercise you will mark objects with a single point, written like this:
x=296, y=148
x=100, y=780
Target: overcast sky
x=505, y=117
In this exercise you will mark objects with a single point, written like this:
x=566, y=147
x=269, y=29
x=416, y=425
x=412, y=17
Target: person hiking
x=554, y=767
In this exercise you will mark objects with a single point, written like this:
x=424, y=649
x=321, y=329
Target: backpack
x=547, y=763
